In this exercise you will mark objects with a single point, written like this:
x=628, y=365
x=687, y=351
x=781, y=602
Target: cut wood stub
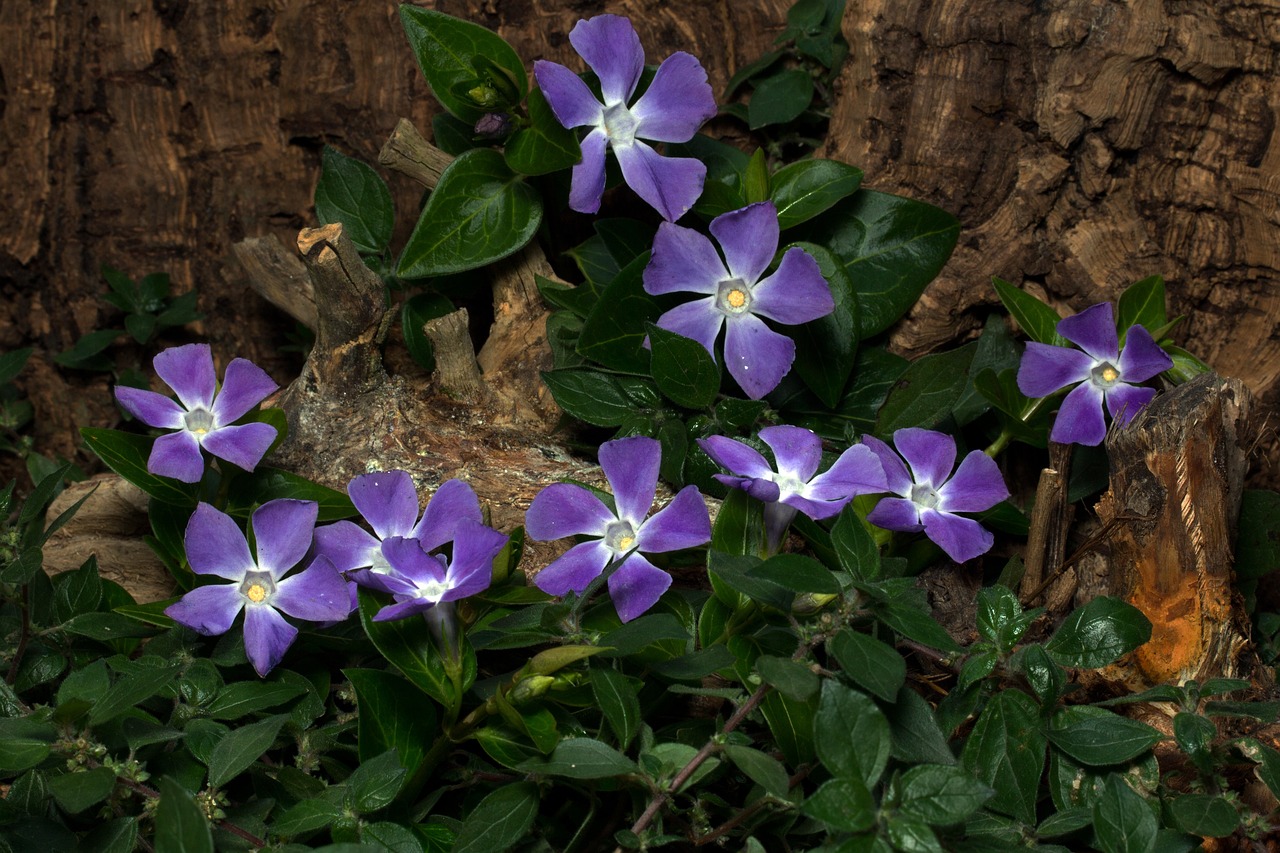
x=1177, y=472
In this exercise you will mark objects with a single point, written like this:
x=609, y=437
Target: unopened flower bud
x=492, y=125
x=810, y=602
x=531, y=688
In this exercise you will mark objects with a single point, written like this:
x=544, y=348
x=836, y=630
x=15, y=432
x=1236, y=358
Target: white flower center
x=1104, y=375
x=620, y=125
x=924, y=496
x=432, y=590
x=198, y=421
x=620, y=537
x=257, y=586
x=378, y=562
x=733, y=296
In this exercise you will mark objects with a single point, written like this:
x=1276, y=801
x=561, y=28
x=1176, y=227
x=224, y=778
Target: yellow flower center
x=256, y=592
x=736, y=298
x=626, y=542
x=1110, y=374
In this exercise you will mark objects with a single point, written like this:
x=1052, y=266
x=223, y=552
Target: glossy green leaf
x=506, y=745
x=113, y=836
x=600, y=399
x=544, y=146
x=1006, y=750
x=131, y=689
x=917, y=738
x=480, y=212
x=582, y=758
x=240, y=747
x=764, y=770
x=375, y=782
x=1000, y=618
x=266, y=484
x=414, y=314
x=739, y=526
x=792, y=725
x=77, y=592
x=181, y=826
x=24, y=743
x=843, y=804
x=78, y=790
x=618, y=699
x=127, y=454
x=614, y=331
x=351, y=192
x=1103, y=740
x=1122, y=821
x=941, y=795
x=392, y=716
x=1195, y=735
x=1036, y=319
x=791, y=678
x=246, y=697
x=447, y=49
x=682, y=369
x=927, y=391
x=827, y=348
x=915, y=624
x=1205, y=815
x=407, y=643
x=872, y=665
x=310, y=815
x=803, y=189
x=851, y=734
x=780, y=98
x=1099, y=633
x=1142, y=304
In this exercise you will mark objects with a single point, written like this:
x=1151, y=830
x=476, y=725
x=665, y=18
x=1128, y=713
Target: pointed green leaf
x=780, y=98
x=544, y=146
x=927, y=392
x=127, y=454
x=351, y=192
x=803, y=189
x=240, y=747
x=682, y=369
x=764, y=770
x=843, y=804
x=618, y=700
x=874, y=666
x=1122, y=820
x=447, y=48
x=407, y=643
x=851, y=734
x=1099, y=633
x=1007, y=751
x=1142, y=304
x=180, y=825
x=827, y=348
x=1037, y=320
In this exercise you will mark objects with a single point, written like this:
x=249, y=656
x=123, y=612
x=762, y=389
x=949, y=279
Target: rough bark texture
x=1083, y=145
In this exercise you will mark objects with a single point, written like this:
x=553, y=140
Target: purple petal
x=736, y=457
x=404, y=609
x=749, y=238
x=961, y=538
x=586, y=185
x=765, y=491
x=563, y=509
x=390, y=582
x=931, y=454
x=1142, y=358
x=208, y=610
x=266, y=637
x=572, y=102
x=347, y=545
x=244, y=386
x=471, y=569
x=188, y=370
x=242, y=445
x=283, y=529
x=574, y=569
x=636, y=586
x=151, y=408
x=797, y=450
x=177, y=455
x=215, y=545
x=815, y=509
x=683, y=523
x=1125, y=401
x=1094, y=331
x=858, y=471
x=796, y=293
x=757, y=356
x=683, y=260
x=409, y=560
x=697, y=320
x=631, y=467
x=611, y=48
x=1046, y=369
x=318, y=594
x=977, y=485
x=670, y=185
x=896, y=514
x=677, y=102
x=897, y=478
x=454, y=502
x=1079, y=419
x=387, y=500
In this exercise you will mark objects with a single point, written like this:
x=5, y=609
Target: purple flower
x=676, y=104
x=1103, y=371
x=207, y=415
x=736, y=296
x=215, y=546
x=622, y=537
x=929, y=495
x=793, y=485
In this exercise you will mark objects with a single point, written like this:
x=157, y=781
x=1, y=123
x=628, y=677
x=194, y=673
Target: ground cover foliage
x=396, y=681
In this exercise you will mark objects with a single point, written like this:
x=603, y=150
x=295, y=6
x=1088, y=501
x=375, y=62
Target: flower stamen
x=198, y=421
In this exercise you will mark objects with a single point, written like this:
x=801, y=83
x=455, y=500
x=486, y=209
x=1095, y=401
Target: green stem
x=1002, y=440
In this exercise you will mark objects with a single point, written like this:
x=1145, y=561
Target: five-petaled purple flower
x=216, y=546
x=1105, y=374
x=930, y=495
x=207, y=415
x=736, y=296
x=793, y=485
x=622, y=537
x=676, y=104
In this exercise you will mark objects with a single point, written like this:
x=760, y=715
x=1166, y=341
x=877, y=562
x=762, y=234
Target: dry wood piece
x=1177, y=473
x=279, y=276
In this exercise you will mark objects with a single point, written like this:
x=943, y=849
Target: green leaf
x=1195, y=735
x=407, y=643
x=24, y=743
x=11, y=364
x=480, y=212
x=764, y=770
x=180, y=825
x=127, y=455
x=499, y=820
x=941, y=795
x=267, y=484
x=792, y=726
x=1099, y=634
x=618, y=700
x=738, y=529
x=803, y=189
x=351, y=192
x=600, y=399
x=917, y=737
x=241, y=747
x=851, y=734
x=927, y=392
x=545, y=146
x=506, y=745
x=914, y=624
x=777, y=581
x=682, y=369
x=1000, y=618
x=134, y=687
x=779, y=98
x=1204, y=815
x=86, y=353
x=375, y=782
x=872, y=665
x=614, y=332
x=1006, y=750
x=387, y=837
x=308, y=815
x=1103, y=740
x=1142, y=304
x=827, y=348
x=582, y=758
x=854, y=547
x=107, y=626
x=414, y=314
x=447, y=47
x=78, y=790
x=1037, y=320
x=792, y=678
x=77, y=592
x=114, y=836
x=1122, y=821
x=843, y=804
x=756, y=179
x=243, y=698
x=892, y=247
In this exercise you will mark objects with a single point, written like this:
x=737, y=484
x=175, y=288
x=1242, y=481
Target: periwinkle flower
x=676, y=104
x=259, y=586
x=793, y=486
x=206, y=417
x=735, y=295
x=622, y=537
x=1105, y=373
x=930, y=494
